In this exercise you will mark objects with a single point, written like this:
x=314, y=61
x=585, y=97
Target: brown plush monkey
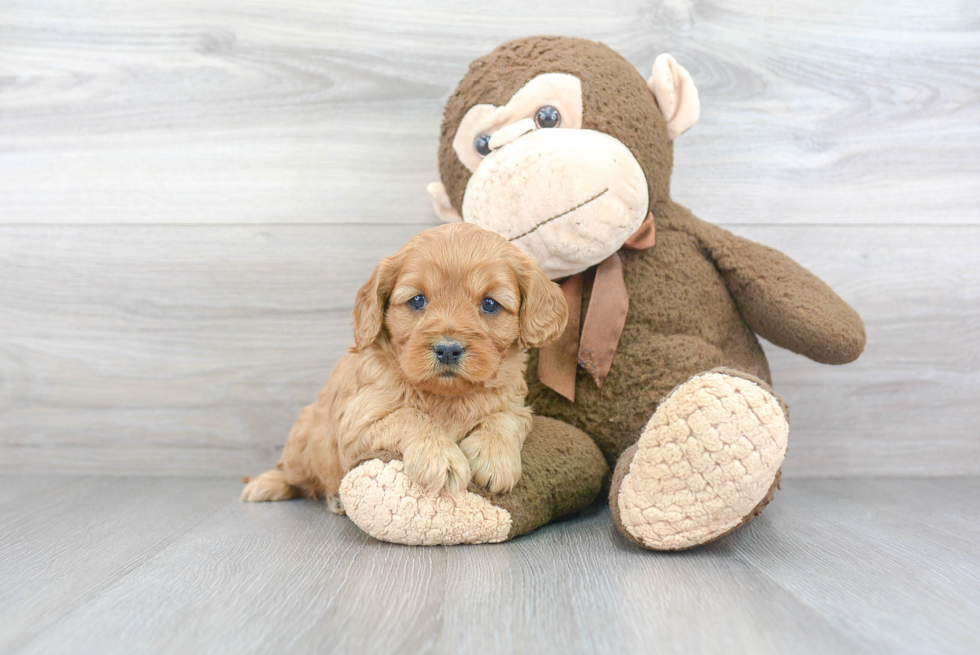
x=560, y=145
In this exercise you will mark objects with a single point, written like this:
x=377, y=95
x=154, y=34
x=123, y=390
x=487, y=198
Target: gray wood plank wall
x=190, y=193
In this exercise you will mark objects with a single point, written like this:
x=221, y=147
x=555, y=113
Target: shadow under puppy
x=436, y=371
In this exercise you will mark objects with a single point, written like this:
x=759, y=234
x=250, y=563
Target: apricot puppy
x=436, y=371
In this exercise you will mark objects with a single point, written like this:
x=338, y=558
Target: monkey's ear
x=372, y=298
x=676, y=94
x=440, y=202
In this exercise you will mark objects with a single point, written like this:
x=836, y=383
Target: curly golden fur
x=451, y=420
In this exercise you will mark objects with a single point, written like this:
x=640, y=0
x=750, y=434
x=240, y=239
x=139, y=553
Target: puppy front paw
x=438, y=464
x=495, y=462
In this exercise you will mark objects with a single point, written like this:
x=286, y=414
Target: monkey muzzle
x=569, y=198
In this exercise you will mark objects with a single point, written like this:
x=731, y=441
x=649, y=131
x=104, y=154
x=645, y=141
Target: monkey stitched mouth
x=564, y=213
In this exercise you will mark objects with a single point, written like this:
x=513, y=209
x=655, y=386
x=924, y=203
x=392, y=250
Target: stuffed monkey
x=561, y=146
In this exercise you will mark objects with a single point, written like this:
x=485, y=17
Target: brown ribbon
x=604, y=321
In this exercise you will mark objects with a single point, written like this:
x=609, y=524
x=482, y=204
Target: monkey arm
x=782, y=301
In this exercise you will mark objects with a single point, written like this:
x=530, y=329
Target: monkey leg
x=707, y=462
x=562, y=472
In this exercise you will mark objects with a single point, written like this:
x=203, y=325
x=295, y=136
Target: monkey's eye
x=547, y=116
x=482, y=144
x=417, y=303
x=490, y=306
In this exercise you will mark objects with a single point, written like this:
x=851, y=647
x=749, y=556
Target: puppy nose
x=448, y=351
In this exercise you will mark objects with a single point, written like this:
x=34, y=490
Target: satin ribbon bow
x=604, y=321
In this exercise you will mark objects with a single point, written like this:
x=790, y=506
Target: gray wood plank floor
x=168, y=565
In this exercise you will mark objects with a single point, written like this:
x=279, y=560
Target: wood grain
x=849, y=531
x=190, y=350
x=18, y=487
x=190, y=193
x=908, y=405
x=299, y=111
x=62, y=547
x=581, y=587
x=833, y=566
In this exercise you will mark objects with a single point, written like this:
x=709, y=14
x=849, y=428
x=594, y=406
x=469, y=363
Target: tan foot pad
x=381, y=500
x=708, y=456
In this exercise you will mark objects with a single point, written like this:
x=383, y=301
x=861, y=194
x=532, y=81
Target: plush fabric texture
x=709, y=456
x=568, y=198
x=676, y=94
x=606, y=78
x=595, y=347
x=697, y=300
x=564, y=92
x=710, y=460
x=384, y=502
x=563, y=472
x=440, y=203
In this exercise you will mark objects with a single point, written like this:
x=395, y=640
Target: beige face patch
x=568, y=198
x=559, y=90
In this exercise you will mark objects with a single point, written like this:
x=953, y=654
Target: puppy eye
x=482, y=144
x=490, y=306
x=547, y=116
x=417, y=303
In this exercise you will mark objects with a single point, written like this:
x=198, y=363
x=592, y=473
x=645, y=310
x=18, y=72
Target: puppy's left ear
x=372, y=299
x=544, y=312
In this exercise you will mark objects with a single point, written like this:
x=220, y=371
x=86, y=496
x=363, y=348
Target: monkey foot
x=384, y=502
x=708, y=461
x=563, y=472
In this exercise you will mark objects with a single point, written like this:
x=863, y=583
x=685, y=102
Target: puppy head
x=454, y=305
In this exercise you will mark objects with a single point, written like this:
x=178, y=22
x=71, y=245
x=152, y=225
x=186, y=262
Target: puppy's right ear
x=544, y=312
x=372, y=299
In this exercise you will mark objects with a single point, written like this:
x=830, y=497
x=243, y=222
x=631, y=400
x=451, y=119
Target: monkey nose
x=508, y=133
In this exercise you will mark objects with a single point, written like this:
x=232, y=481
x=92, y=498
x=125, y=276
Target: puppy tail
x=271, y=485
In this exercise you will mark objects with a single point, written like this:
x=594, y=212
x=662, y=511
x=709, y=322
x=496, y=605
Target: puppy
x=436, y=371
